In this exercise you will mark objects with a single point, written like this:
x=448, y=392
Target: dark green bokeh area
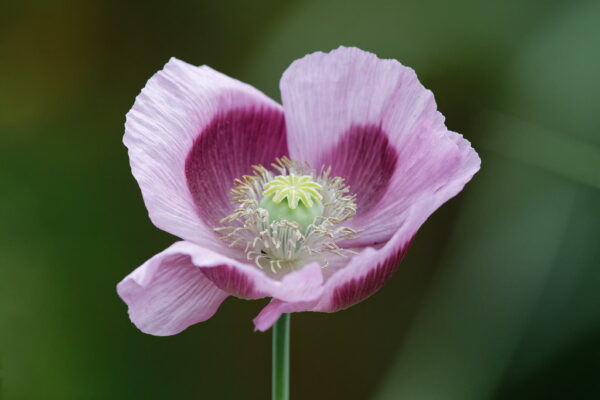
x=499, y=297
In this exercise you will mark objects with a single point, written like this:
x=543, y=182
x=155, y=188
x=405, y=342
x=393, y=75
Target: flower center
x=286, y=221
x=293, y=198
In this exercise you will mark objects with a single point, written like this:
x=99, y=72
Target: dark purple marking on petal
x=225, y=150
x=231, y=281
x=359, y=289
x=366, y=160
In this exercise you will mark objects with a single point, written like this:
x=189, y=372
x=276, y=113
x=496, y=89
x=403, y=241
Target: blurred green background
x=499, y=297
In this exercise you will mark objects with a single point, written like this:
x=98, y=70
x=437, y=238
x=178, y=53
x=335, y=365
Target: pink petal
x=378, y=127
x=272, y=311
x=225, y=150
x=364, y=275
x=191, y=131
x=366, y=160
x=246, y=280
x=369, y=270
x=168, y=293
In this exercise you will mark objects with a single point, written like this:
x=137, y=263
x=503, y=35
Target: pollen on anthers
x=286, y=220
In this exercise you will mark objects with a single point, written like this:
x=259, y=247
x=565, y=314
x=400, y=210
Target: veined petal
x=272, y=311
x=168, y=293
x=374, y=123
x=365, y=273
x=190, y=133
x=248, y=281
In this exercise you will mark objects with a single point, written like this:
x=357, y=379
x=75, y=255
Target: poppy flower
x=312, y=203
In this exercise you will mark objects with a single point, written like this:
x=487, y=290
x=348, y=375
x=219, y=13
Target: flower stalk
x=281, y=359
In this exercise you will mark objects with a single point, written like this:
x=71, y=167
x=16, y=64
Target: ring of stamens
x=279, y=245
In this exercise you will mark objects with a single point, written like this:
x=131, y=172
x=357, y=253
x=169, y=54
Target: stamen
x=277, y=243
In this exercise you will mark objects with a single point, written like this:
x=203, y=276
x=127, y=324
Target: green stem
x=281, y=358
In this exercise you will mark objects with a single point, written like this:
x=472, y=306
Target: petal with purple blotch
x=373, y=122
x=186, y=283
x=190, y=133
